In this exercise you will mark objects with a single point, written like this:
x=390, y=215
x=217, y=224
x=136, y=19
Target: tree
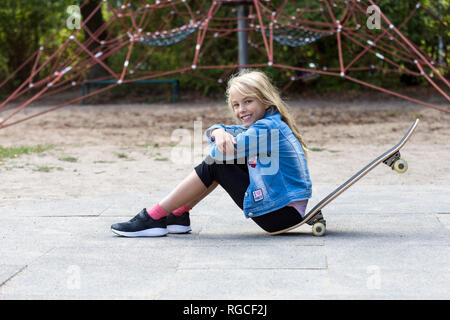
x=24, y=27
x=93, y=24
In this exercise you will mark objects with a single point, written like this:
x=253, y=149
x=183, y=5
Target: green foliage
x=27, y=24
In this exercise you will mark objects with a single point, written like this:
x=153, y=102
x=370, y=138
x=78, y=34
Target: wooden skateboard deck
x=391, y=158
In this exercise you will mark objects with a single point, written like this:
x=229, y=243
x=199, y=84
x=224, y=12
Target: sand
x=107, y=149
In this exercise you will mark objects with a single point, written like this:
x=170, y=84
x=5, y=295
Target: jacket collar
x=271, y=113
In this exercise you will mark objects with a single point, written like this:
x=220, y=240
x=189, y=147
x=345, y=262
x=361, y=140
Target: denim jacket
x=276, y=163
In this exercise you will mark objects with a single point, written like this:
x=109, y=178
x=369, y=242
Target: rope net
x=294, y=37
x=167, y=38
x=137, y=30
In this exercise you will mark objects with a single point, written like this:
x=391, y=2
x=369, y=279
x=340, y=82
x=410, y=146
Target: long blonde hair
x=255, y=84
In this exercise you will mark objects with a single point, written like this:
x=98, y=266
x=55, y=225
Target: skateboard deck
x=391, y=158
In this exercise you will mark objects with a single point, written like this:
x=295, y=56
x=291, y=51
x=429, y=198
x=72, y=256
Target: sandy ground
x=143, y=147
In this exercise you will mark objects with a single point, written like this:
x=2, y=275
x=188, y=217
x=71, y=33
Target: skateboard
x=391, y=158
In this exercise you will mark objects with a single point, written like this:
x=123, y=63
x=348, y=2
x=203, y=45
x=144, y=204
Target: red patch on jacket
x=252, y=162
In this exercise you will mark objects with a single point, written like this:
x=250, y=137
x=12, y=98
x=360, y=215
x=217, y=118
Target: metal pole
x=242, y=34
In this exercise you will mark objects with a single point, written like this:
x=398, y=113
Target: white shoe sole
x=153, y=232
x=175, y=228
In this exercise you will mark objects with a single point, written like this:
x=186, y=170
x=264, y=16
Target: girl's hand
x=224, y=141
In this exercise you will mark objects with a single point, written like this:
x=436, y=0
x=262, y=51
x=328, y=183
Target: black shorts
x=234, y=178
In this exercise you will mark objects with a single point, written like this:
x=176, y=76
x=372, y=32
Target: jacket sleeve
x=233, y=130
x=257, y=139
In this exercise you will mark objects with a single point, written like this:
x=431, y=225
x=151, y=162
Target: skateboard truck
x=396, y=163
x=318, y=224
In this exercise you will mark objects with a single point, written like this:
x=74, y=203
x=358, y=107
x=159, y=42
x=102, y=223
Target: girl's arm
x=233, y=130
x=257, y=139
x=223, y=141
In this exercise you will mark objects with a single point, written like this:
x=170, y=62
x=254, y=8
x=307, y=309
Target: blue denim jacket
x=276, y=163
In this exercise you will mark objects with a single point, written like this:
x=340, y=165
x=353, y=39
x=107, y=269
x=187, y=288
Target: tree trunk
x=94, y=23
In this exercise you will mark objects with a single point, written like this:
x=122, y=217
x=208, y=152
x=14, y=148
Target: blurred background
x=26, y=25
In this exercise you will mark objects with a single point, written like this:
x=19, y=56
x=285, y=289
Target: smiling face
x=247, y=109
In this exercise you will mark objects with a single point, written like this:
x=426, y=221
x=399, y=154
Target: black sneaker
x=178, y=224
x=142, y=225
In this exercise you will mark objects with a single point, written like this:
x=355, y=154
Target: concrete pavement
x=382, y=242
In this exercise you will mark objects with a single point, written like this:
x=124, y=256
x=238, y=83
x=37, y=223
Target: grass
x=14, y=152
x=148, y=145
x=394, y=113
x=317, y=149
x=47, y=169
x=68, y=159
x=122, y=156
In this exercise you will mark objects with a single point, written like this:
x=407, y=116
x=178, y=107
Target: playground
x=104, y=148
x=72, y=163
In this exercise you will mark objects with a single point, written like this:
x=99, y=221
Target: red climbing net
x=287, y=24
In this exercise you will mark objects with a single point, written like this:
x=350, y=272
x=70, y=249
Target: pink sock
x=157, y=212
x=181, y=210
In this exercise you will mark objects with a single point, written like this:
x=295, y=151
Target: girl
x=265, y=170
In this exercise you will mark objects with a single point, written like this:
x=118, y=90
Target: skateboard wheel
x=400, y=166
x=318, y=229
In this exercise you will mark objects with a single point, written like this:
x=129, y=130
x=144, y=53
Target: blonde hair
x=255, y=84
